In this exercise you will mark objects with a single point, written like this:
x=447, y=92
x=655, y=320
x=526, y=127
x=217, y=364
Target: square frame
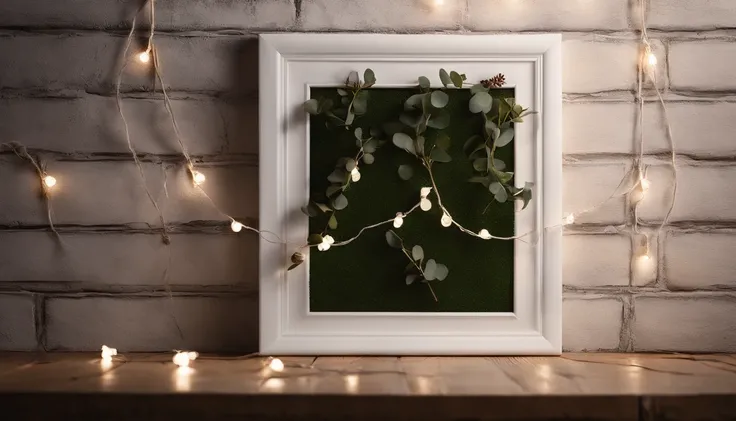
x=290, y=64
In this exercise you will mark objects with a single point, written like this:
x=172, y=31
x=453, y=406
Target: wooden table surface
x=573, y=386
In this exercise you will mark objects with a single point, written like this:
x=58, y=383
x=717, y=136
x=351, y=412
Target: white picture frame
x=289, y=65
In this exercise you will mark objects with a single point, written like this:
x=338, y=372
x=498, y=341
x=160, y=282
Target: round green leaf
x=414, y=102
x=417, y=253
x=368, y=158
x=495, y=187
x=439, y=99
x=314, y=239
x=439, y=121
x=424, y=82
x=334, y=188
x=440, y=155
x=457, y=79
x=501, y=196
x=410, y=119
x=337, y=176
x=342, y=92
x=471, y=144
x=411, y=278
x=312, y=106
x=500, y=165
x=360, y=103
x=480, y=164
x=350, y=164
x=480, y=102
x=353, y=78
x=430, y=270
x=340, y=202
x=393, y=240
x=441, y=272
x=445, y=78
x=332, y=223
x=405, y=172
x=358, y=133
x=477, y=88
x=442, y=141
x=506, y=137
x=369, y=77
x=405, y=142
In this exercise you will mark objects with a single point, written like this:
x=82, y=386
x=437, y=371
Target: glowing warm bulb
x=144, y=57
x=569, y=219
x=327, y=242
x=107, y=353
x=184, y=358
x=198, y=177
x=484, y=234
x=276, y=365
x=399, y=220
x=439, y=3
x=49, y=181
x=425, y=204
x=355, y=175
x=424, y=192
x=651, y=59
x=446, y=220
x=644, y=257
x=645, y=184
x=236, y=226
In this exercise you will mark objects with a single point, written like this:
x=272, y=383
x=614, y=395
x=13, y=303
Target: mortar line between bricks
x=144, y=295
x=624, y=291
x=43, y=289
x=224, y=159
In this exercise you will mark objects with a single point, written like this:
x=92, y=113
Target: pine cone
x=495, y=82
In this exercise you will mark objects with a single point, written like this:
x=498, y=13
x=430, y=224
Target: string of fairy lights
x=634, y=185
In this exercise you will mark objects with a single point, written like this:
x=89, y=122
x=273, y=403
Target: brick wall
x=106, y=281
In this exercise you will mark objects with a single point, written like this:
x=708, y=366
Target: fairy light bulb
x=645, y=184
x=327, y=242
x=276, y=365
x=424, y=203
x=184, y=358
x=570, y=219
x=49, y=181
x=107, y=353
x=484, y=234
x=446, y=220
x=399, y=220
x=198, y=177
x=355, y=175
x=651, y=59
x=236, y=226
x=144, y=57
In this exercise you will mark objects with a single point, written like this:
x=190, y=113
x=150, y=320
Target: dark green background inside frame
x=368, y=275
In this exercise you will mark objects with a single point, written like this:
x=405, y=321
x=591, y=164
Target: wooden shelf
x=575, y=386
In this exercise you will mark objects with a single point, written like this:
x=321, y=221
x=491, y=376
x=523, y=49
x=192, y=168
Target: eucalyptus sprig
x=431, y=270
x=353, y=100
x=345, y=173
x=496, y=134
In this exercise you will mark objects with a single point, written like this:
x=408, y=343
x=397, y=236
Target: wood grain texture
x=574, y=386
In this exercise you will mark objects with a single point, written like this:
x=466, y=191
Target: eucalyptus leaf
x=309, y=210
x=411, y=278
x=370, y=146
x=345, y=100
x=368, y=158
x=324, y=208
x=445, y=78
x=337, y=176
x=358, y=133
x=501, y=196
x=405, y=142
x=410, y=119
x=350, y=164
x=424, y=82
x=312, y=106
x=406, y=172
x=441, y=272
x=350, y=118
x=342, y=92
x=393, y=240
x=430, y=270
x=477, y=88
x=470, y=145
x=439, y=121
x=340, y=202
x=417, y=253
x=506, y=137
x=499, y=165
x=439, y=99
x=353, y=78
x=485, y=181
x=369, y=77
x=314, y=239
x=480, y=103
x=503, y=177
x=360, y=103
x=420, y=145
x=480, y=164
x=442, y=141
x=490, y=128
x=414, y=102
x=439, y=155
x=332, y=223
x=334, y=188
x=495, y=187
x=457, y=79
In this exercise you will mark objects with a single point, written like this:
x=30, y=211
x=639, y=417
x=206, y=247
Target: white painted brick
x=598, y=127
x=95, y=193
x=685, y=323
x=93, y=124
x=529, y=15
x=703, y=193
x=129, y=259
x=592, y=66
x=377, y=15
x=91, y=62
x=596, y=260
x=170, y=14
x=591, y=323
x=688, y=14
x=587, y=186
x=700, y=260
x=241, y=123
x=208, y=324
x=703, y=65
x=700, y=128
x=17, y=326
